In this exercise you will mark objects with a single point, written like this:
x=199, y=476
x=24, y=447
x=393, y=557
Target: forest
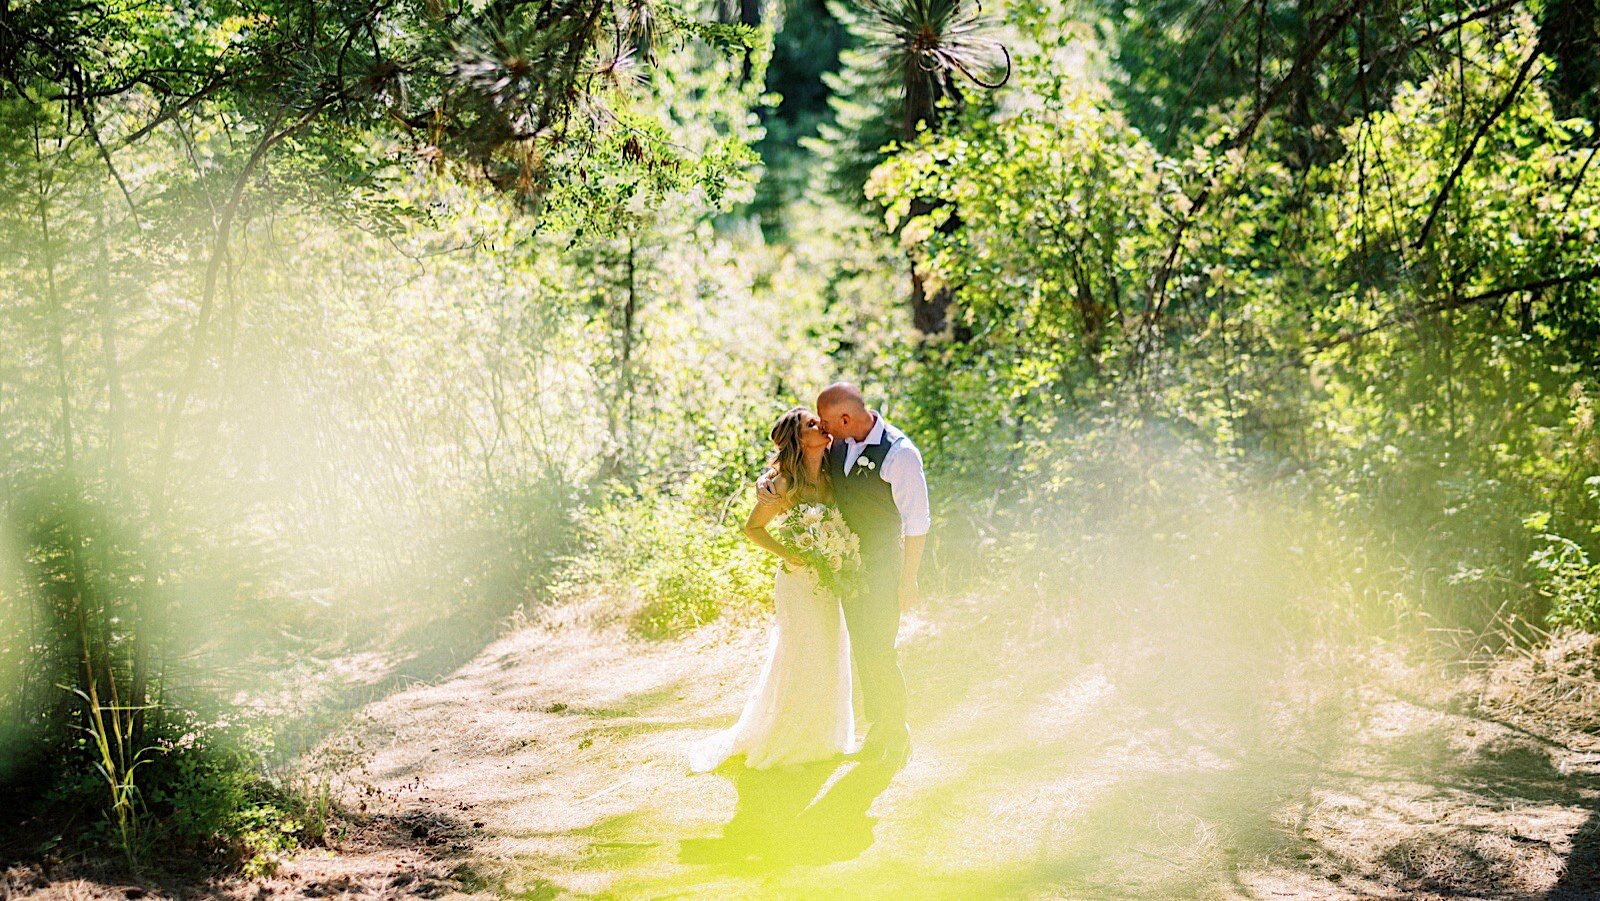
x=384, y=385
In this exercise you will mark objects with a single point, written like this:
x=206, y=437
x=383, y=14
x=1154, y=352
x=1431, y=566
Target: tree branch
x=168, y=112
x=1455, y=303
x=197, y=347
x=1308, y=55
x=1472, y=146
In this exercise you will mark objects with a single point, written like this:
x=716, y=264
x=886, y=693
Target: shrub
x=1565, y=574
x=682, y=565
x=209, y=796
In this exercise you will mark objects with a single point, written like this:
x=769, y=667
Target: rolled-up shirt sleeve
x=902, y=469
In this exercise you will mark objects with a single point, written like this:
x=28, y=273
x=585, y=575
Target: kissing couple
x=846, y=467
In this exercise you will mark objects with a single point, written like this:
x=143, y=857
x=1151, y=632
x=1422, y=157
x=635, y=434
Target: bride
x=800, y=711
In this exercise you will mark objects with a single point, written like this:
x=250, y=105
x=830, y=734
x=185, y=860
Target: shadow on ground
x=1196, y=763
x=1580, y=878
x=423, y=653
x=795, y=815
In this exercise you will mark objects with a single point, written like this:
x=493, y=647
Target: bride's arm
x=755, y=528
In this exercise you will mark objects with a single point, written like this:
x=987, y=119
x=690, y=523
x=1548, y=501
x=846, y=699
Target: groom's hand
x=910, y=564
x=766, y=493
x=908, y=594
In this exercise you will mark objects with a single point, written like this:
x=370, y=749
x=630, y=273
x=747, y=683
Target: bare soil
x=1054, y=758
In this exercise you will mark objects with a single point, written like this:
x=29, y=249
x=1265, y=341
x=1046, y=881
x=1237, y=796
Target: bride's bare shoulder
x=771, y=488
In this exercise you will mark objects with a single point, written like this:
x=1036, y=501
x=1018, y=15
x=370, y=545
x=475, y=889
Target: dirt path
x=549, y=767
x=1058, y=755
x=1055, y=759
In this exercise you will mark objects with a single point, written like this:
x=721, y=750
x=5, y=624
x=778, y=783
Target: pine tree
x=904, y=73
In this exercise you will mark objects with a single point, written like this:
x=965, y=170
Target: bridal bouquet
x=818, y=533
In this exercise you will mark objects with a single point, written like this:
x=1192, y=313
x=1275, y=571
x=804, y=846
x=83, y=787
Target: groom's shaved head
x=843, y=411
x=839, y=395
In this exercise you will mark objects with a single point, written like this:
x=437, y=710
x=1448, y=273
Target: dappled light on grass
x=1171, y=727
x=1129, y=739
x=1038, y=773
x=1029, y=770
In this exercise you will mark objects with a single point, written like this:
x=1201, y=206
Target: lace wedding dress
x=801, y=710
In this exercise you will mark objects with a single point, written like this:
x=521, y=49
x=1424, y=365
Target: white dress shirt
x=902, y=469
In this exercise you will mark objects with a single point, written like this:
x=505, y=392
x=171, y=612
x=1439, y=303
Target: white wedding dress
x=801, y=710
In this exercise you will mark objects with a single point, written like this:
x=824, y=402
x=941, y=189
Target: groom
x=882, y=493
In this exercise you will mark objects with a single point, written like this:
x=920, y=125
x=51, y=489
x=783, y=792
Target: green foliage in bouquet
x=818, y=533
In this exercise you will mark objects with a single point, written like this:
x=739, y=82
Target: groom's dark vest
x=867, y=501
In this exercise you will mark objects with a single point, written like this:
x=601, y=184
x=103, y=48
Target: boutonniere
x=865, y=463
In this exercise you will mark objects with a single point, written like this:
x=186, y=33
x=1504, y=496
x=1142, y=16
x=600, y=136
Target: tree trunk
x=108, y=346
x=930, y=310
x=1567, y=35
x=57, y=314
x=743, y=12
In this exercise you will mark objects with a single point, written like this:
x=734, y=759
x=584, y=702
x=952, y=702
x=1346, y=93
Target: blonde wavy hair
x=786, y=465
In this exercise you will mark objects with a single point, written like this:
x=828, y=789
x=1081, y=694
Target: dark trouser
x=873, y=618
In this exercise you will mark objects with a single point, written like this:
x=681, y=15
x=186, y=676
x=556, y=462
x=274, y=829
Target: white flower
x=865, y=463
